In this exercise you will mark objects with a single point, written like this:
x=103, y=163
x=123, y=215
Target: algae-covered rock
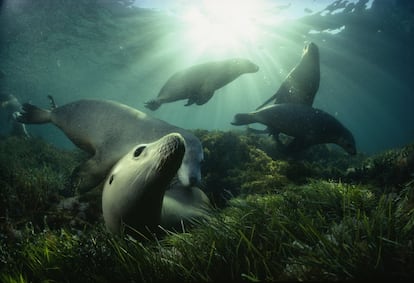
x=238, y=163
x=234, y=165
x=390, y=169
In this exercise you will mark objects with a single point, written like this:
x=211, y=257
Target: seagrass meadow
x=276, y=218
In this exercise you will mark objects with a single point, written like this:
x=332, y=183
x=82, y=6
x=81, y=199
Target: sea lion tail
x=31, y=114
x=242, y=119
x=153, y=104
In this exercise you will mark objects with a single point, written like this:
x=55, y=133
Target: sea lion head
x=311, y=50
x=189, y=173
x=135, y=187
x=244, y=65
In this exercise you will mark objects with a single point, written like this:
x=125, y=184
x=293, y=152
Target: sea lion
x=107, y=130
x=12, y=106
x=308, y=126
x=135, y=196
x=134, y=190
x=302, y=82
x=199, y=82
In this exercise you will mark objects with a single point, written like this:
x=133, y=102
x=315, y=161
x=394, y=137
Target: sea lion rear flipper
x=31, y=114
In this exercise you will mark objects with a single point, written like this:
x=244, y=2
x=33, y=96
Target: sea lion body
x=302, y=82
x=199, y=82
x=108, y=130
x=134, y=190
x=309, y=126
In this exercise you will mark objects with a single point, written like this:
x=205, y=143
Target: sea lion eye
x=111, y=179
x=138, y=151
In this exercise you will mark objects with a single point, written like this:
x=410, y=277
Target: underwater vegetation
x=319, y=216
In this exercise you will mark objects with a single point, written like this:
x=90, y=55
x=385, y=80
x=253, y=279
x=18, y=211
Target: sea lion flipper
x=153, y=104
x=206, y=96
x=190, y=101
x=85, y=176
x=31, y=114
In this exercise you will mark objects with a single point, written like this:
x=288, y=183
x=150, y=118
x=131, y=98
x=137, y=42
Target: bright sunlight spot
x=224, y=23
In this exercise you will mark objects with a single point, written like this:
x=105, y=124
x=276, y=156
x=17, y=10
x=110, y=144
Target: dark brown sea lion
x=198, y=83
x=308, y=126
x=302, y=82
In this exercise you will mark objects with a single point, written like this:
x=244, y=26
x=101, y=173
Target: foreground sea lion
x=302, y=82
x=308, y=126
x=135, y=196
x=108, y=130
x=198, y=83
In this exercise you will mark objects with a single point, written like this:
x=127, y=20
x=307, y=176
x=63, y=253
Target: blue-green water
x=114, y=50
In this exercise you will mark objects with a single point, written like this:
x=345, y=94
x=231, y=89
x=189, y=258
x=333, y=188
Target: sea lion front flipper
x=153, y=104
x=204, y=97
x=190, y=101
x=86, y=176
x=200, y=99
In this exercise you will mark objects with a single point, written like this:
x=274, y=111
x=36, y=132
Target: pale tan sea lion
x=108, y=130
x=309, y=126
x=199, y=82
x=134, y=190
x=135, y=195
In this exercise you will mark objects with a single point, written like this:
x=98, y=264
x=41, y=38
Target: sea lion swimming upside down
x=199, y=82
x=302, y=82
